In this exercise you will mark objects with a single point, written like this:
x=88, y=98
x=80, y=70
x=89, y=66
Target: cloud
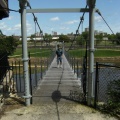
x=51, y=29
x=29, y=14
x=3, y=26
x=17, y=27
x=64, y=28
x=55, y=19
x=10, y=17
x=98, y=18
x=71, y=22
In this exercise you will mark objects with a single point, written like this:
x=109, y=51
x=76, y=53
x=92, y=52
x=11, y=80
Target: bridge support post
x=25, y=51
x=91, y=4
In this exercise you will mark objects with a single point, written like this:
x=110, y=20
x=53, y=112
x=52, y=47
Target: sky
x=62, y=23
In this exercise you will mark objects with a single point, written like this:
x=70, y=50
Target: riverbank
x=113, y=60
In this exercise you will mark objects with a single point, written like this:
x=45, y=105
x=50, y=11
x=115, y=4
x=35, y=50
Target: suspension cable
x=35, y=19
x=36, y=22
x=28, y=4
x=105, y=21
x=35, y=36
x=82, y=35
x=9, y=9
x=81, y=20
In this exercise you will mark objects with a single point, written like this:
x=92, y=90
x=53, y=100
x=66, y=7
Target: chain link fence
x=105, y=75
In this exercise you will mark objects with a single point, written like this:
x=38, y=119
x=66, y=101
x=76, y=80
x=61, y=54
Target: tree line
x=82, y=38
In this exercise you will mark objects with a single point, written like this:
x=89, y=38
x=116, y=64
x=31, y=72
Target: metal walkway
x=58, y=85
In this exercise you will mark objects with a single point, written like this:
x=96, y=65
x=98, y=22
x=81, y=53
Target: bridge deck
x=58, y=85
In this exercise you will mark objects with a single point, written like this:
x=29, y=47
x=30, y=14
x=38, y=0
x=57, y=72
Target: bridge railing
x=12, y=83
x=37, y=70
x=78, y=68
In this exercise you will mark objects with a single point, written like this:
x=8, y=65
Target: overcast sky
x=62, y=22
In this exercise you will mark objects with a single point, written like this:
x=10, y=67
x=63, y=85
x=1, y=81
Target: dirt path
x=56, y=111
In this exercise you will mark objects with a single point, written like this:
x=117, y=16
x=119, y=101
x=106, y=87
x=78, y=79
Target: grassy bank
x=37, y=52
x=98, y=53
x=34, y=52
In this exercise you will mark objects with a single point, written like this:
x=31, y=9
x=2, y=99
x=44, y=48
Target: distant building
x=100, y=32
x=54, y=33
x=96, y=32
x=86, y=29
x=55, y=37
x=105, y=38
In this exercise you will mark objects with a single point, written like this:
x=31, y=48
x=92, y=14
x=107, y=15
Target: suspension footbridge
x=58, y=85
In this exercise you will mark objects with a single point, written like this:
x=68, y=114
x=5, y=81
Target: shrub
x=113, y=103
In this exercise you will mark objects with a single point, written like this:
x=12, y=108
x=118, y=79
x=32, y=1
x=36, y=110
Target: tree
x=112, y=37
x=7, y=46
x=99, y=38
x=64, y=38
x=85, y=35
x=80, y=40
x=112, y=105
x=32, y=37
x=118, y=38
x=48, y=37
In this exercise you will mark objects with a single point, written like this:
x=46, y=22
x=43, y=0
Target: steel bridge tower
x=91, y=10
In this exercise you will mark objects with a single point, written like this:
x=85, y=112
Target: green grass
x=98, y=53
x=34, y=52
x=37, y=52
x=77, y=53
x=104, y=43
x=107, y=53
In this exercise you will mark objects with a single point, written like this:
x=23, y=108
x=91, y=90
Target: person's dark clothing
x=59, y=55
x=59, y=52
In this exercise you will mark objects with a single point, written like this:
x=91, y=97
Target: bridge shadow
x=73, y=96
x=56, y=97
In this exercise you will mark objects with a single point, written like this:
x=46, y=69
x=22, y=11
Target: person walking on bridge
x=59, y=54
